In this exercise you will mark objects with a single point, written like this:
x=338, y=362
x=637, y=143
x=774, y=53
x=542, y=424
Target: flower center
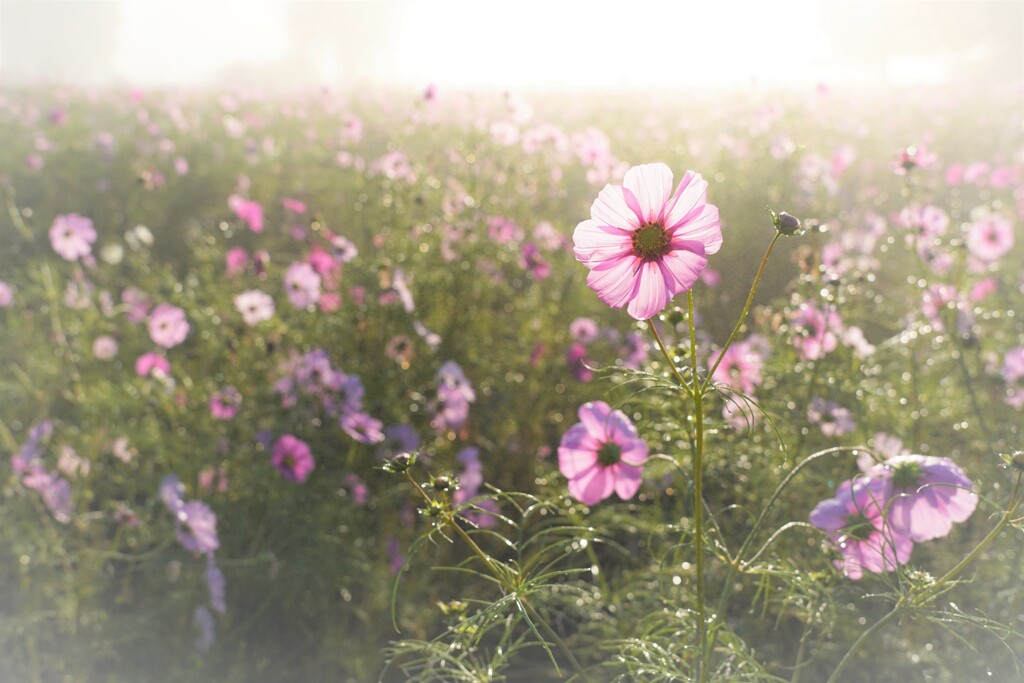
x=906, y=476
x=858, y=526
x=609, y=454
x=650, y=242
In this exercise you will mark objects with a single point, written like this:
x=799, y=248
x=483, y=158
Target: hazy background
x=274, y=43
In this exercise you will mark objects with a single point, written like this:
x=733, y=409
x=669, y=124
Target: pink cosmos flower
x=54, y=490
x=1013, y=376
x=915, y=156
x=236, y=260
x=741, y=365
x=302, y=284
x=294, y=205
x=152, y=363
x=104, y=347
x=168, y=326
x=454, y=394
x=856, y=521
x=6, y=294
x=814, y=332
x=248, y=211
x=833, y=419
x=292, y=458
x=224, y=403
x=990, y=238
x=600, y=454
x=197, y=527
x=356, y=488
x=136, y=303
x=645, y=244
x=584, y=330
x=925, y=495
x=255, y=306
x=577, y=360
x=362, y=427
x=530, y=259
x=72, y=236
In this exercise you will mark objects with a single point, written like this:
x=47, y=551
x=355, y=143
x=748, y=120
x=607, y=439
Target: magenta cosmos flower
x=855, y=519
x=292, y=458
x=644, y=243
x=600, y=454
x=926, y=495
x=72, y=236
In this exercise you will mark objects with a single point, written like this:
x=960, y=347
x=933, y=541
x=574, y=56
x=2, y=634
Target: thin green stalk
x=503, y=580
x=973, y=555
x=962, y=362
x=698, y=498
x=668, y=358
x=864, y=637
x=746, y=310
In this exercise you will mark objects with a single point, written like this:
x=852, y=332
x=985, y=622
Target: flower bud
x=444, y=484
x=787, y=224
x=1014, y=461
x=400, y=463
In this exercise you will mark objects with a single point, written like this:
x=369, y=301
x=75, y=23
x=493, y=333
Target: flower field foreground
x=337, y=387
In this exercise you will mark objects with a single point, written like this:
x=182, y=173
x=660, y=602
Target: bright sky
x=186, y=41
x=599, y=42
x=506, y=43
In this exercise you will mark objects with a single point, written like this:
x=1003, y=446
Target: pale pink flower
x=248, y=211
x=104, y=347
x=168, y=326
x=990, y=238
x=602, y=454
x=915, y=156
x=584, y=330
x=1013, y=376
x=236, y=260
x=643, y=243
x=740, y=367
x=833, y=419
x=302, y=284
x=814, y=332
x=72, y=236
x=255, y=306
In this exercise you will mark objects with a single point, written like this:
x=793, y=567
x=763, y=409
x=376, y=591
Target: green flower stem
x=969, y=382
x=746, y=310
x=698, y=497
x=1005, y=520
x=15, y=214
x=864, y=637
x=503, y=579
x=668, y=358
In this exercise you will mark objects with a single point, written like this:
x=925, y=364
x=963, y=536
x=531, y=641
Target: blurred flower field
x=225, y=315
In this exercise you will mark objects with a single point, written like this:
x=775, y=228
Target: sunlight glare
x=186, y=42
x=607, y=44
